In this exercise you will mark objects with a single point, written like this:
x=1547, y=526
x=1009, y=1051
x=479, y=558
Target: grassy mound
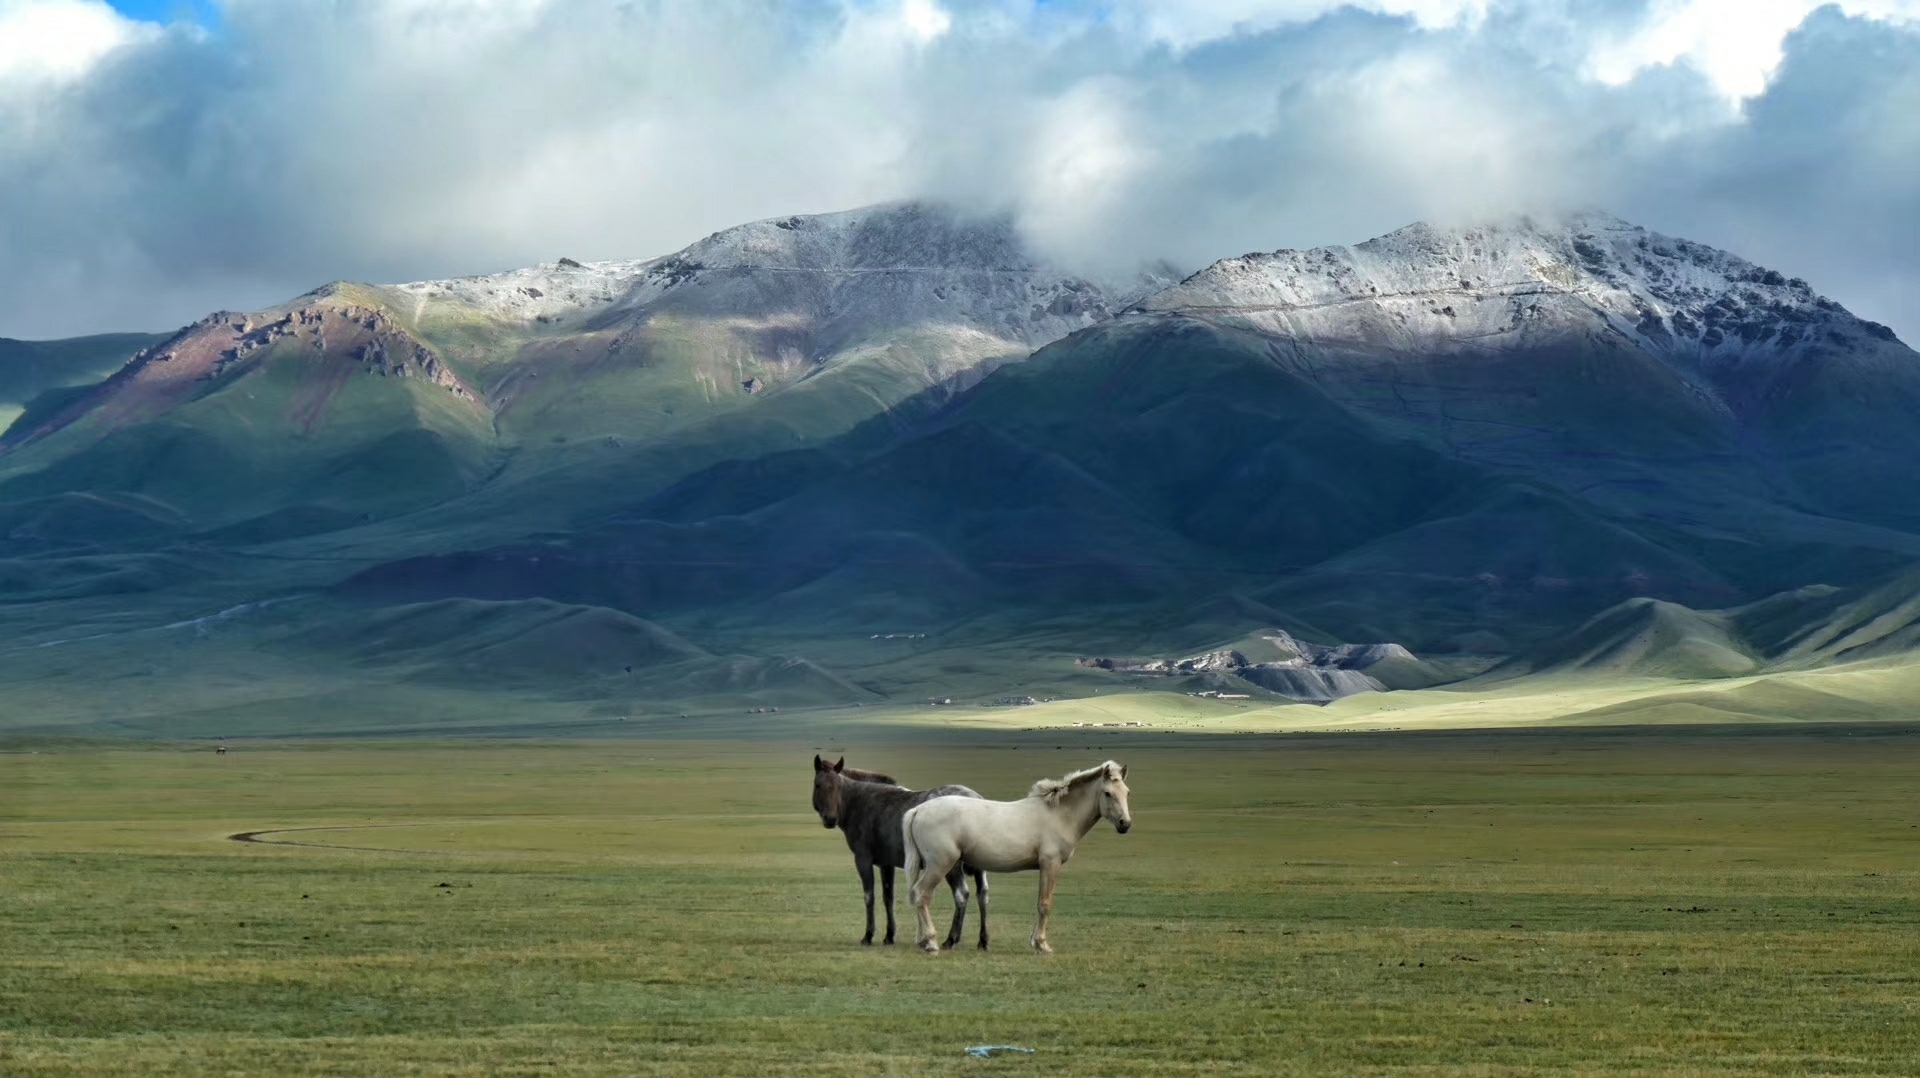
x=1847, y=626
x=1644, y=638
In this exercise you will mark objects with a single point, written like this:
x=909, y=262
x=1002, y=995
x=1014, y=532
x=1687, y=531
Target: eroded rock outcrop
x=321, y=329
x=1282, y=664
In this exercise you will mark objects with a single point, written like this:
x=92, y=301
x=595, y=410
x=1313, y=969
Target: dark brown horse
x=866, y=806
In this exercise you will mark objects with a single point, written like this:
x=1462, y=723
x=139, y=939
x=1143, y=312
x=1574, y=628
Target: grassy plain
x=1686, y=901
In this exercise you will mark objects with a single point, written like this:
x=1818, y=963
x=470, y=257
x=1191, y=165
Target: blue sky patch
x=167, y=11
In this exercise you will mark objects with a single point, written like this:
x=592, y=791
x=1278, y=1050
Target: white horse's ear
x=1123, y=771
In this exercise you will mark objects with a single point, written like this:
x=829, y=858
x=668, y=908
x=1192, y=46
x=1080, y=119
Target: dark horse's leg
x=886, y=892
x=980, y=892
x=957, y=880
x=865, y=865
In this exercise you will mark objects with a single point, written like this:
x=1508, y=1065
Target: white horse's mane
x=1052, y=790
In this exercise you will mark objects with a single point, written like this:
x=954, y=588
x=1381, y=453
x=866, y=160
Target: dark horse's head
x=827, y=781
x=829, y=787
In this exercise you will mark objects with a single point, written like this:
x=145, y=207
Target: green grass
x=1700, y=902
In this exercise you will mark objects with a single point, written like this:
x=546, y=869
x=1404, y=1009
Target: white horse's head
x=1108, y=784
x=1113, y=796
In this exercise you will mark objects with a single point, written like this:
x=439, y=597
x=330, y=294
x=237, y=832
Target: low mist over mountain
x=891, y=454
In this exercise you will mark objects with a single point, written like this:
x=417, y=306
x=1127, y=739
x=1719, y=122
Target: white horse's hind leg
x=931, y=873
x=923, y=868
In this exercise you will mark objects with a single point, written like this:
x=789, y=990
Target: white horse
x=1039, y=831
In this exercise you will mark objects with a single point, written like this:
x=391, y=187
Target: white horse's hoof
x=1042, y=946
x=929, y=947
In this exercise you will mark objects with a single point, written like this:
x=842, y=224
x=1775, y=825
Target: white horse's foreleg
x=1049, y=875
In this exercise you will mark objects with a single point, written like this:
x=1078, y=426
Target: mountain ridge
x=804, y=433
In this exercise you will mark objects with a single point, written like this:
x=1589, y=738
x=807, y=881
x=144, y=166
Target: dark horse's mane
x=862, y=775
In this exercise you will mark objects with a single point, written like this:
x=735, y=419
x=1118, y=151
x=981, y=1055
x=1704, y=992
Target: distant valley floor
x=1684, y=901
x=1885, y=691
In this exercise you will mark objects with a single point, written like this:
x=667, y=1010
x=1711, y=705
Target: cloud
x=1184, y=23
x=1736, y=44
x=149, y=174
x=54, y=41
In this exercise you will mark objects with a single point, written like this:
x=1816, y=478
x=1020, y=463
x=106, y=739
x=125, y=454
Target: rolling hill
x=1806, y=628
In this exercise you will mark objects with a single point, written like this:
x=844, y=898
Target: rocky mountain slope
x=555, y=386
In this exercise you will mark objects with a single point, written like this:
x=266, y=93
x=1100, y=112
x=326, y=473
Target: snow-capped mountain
x=1528, y=282
x=1628, y=366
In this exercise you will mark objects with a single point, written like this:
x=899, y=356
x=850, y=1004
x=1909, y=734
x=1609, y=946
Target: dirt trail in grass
x=255, y=836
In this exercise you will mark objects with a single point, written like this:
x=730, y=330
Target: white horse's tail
x=914, y=860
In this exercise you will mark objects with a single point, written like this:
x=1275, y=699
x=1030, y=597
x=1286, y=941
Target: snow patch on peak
x=1505, y=283
x=546, y=292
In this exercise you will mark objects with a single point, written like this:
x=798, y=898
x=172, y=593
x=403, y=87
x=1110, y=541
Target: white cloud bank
x=149, y=174
x=45, y=41
x=1737, y=45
